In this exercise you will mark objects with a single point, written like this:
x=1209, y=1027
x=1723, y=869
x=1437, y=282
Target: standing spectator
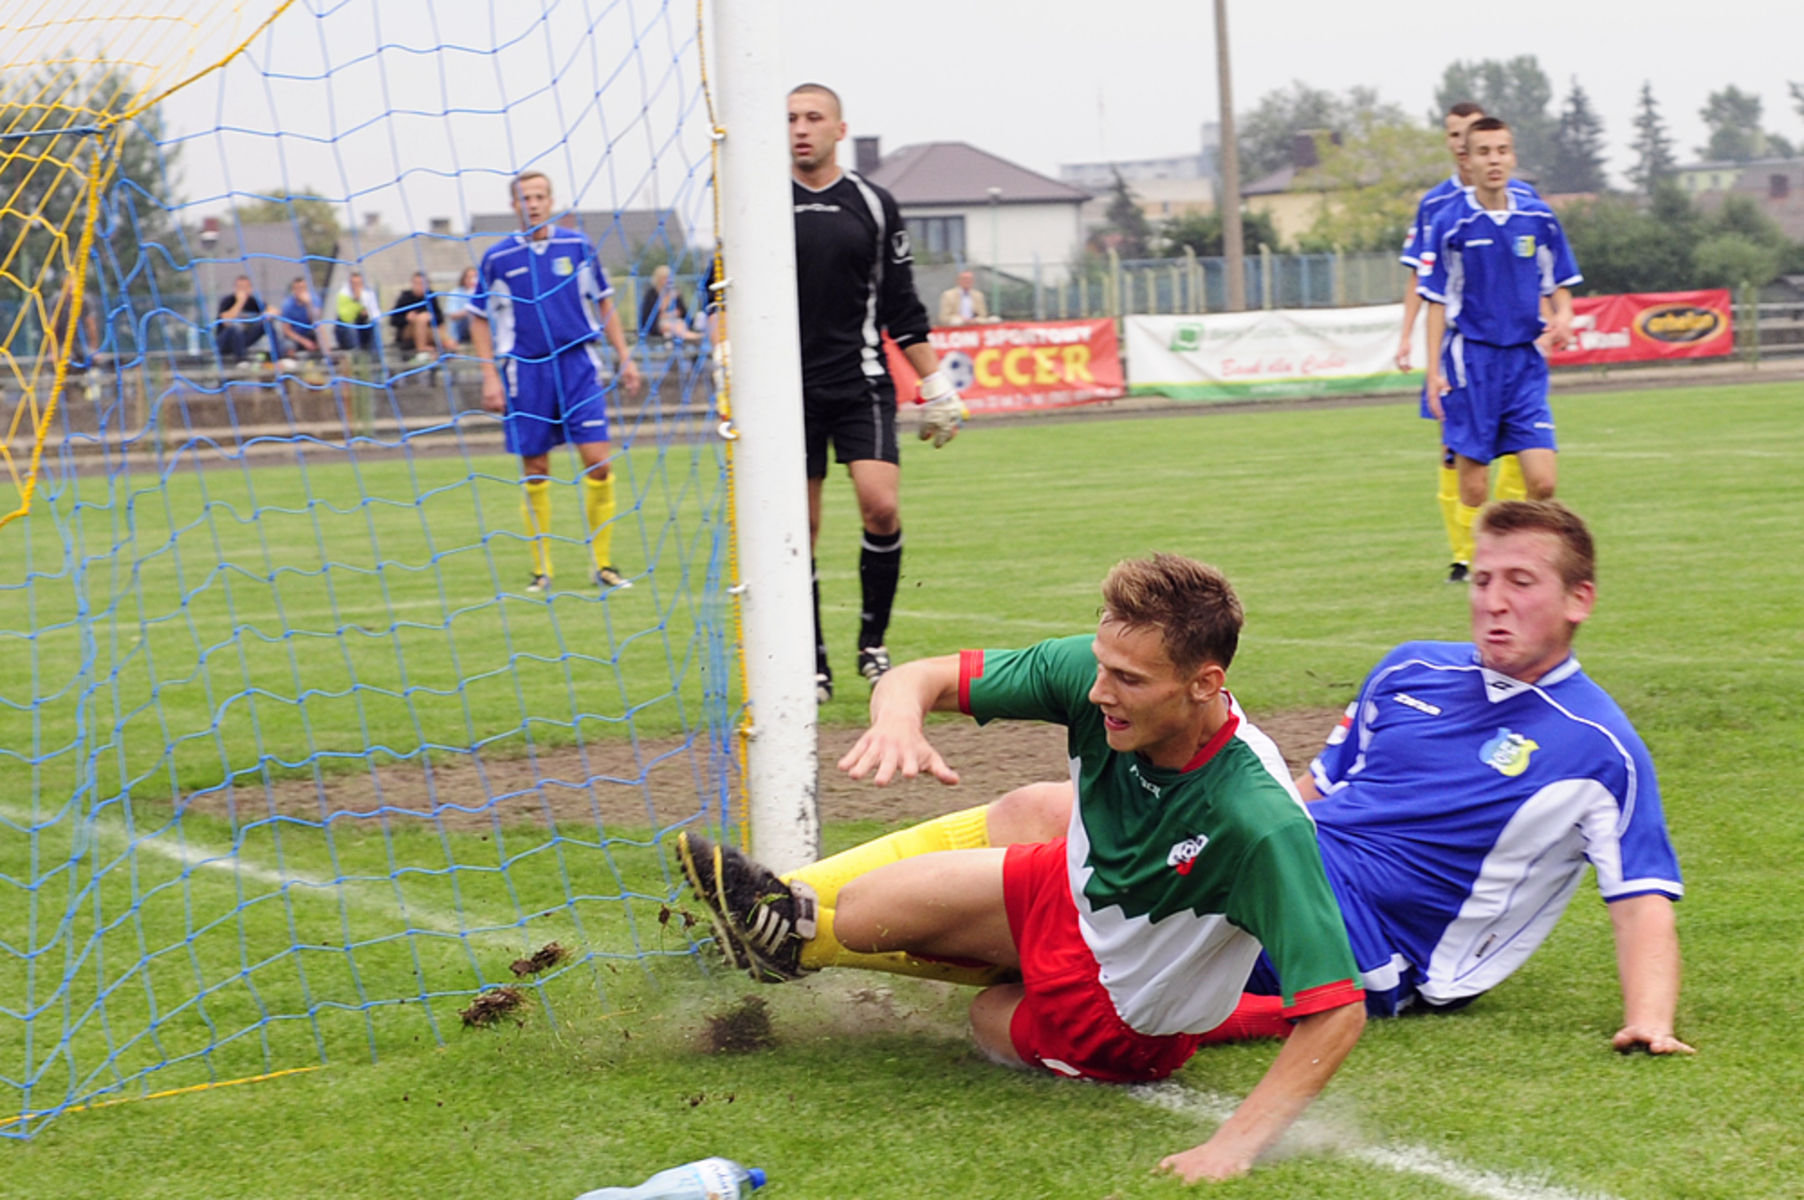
x=541, y=304
x=417, y=320
x=457, y=309
x=855, y=282
x=964, y=304
x=240, y=323
x=297, y=324
x=357, y=312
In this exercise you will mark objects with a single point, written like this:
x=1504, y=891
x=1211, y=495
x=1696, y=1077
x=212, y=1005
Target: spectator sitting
x=357, y=312
x=964, y=304
x=457, y=309
x=240, y=323
x=416, y=318
x=298, y=323
x=662, y=313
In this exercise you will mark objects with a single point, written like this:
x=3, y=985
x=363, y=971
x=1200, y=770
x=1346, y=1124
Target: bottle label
x=718, y=1178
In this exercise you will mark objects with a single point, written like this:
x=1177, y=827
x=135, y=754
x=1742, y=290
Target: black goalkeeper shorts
x=858, y=418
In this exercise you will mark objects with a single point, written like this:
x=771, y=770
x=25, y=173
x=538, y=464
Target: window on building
x=1778, y=187
x=937, y=239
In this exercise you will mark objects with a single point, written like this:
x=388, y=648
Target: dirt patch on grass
x=654, y=783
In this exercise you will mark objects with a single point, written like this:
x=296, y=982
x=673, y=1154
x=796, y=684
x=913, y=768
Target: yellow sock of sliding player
x=1509, y=484
x=598, y=506
x=1467, y=516
x=535, y=506
x=964, y=830
x=824, y=950
x=1447, y=495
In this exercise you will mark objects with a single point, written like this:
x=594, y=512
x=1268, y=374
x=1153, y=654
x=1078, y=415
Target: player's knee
x=881, y=515
x=857, y=917
x=1038, y=812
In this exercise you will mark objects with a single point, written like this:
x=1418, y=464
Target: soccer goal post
x=338, y=696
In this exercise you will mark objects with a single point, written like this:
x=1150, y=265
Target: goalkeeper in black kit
x=855, y=282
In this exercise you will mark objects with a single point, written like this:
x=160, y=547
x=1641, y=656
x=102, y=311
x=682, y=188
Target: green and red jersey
x=1179, y=877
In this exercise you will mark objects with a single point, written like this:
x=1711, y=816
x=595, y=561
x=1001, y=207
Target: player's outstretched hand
x=942, y=412
x=1200, y=1162
x=1403, y=354
x=1655, y=1041
x=1435, y=388
x=630, y=378
x=494, y=395
x=887, y=749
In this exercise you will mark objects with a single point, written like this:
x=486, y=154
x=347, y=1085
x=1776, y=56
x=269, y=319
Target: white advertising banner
x=1281, y=353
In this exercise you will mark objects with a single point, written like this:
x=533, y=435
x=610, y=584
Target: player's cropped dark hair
x=1466, y=108
x=1578, y=556
x=824, y=90
x=1196, y=612
x=1487, y=125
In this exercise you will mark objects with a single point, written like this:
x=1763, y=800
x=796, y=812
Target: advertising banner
x=1009, y=366
x=1292, y=352
x=1647, y=326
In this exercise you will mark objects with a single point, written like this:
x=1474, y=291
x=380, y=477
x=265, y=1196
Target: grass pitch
x=1324, y=518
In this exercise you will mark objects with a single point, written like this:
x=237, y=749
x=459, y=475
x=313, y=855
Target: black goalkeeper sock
x=820, y=641
x=879, y=571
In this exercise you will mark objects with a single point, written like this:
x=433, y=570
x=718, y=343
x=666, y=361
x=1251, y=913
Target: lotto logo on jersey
x=1183, y=855
x=1507, y=753
x=1525, y=246
x=562, y=266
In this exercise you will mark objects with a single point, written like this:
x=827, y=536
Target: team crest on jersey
x=1183, y=855
x=1525, y=246
x=562, y=266
x=1508, y=752
x=898, y=244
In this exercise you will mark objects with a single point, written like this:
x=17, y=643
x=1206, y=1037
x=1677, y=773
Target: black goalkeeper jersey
x=854, y=281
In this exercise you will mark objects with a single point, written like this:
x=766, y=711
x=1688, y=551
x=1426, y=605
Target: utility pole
x=1233, y=242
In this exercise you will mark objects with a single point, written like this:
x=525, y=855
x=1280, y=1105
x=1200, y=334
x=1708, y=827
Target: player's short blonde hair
x=513, y=188
x=1191, y=604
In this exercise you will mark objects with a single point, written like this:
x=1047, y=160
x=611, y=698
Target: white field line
x=1318, y=1134
x=195, y=856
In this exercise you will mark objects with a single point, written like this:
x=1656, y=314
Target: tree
x=1517, y=91
x=1372, y=182
x=1201, y=232
x=1578, y=147
x=1733, y=117
x=1732, y=259
x=1125, y=225
x=1268, y=133
x=315, y=223
x=77, y=124
x=1622, y=247
x=1797, y=97
x=1652, y=146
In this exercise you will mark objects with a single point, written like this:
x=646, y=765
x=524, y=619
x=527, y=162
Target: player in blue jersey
x=1508, y=484
x=1492, y=255
x=541, y=304
x=1469, y=784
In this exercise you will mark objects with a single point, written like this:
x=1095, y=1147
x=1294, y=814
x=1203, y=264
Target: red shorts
x=1067, y=1022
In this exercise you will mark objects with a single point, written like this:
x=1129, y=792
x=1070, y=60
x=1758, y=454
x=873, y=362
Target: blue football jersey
x=543, y=297
x=1459, y=810
x=1491, y=268
x=1416, y=237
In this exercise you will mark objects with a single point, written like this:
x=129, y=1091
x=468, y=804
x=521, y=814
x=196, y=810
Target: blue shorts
x=1498, y=403
x=553, y=401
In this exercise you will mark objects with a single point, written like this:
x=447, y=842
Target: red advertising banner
x=1649, y=325
x=1014, y=365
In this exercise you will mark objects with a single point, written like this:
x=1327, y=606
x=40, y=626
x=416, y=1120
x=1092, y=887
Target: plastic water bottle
x=706, y=1179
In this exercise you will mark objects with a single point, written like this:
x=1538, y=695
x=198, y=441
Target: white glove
x=942, y=412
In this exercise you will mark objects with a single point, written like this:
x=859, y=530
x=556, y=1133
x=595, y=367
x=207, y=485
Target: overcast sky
x=350, y=98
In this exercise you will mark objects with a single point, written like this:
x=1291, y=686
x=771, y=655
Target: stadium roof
x=960, y=173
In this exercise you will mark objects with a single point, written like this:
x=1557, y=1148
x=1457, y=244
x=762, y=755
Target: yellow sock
x=964, y=830
x=598, y=505
x=536, y=508
x=1466, y=516
x=1447, y=495
x=1509, y=484
x=824, y=950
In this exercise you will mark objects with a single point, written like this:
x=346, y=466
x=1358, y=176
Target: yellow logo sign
x=1678, y=323
x=1508, y=752
x=562, y=266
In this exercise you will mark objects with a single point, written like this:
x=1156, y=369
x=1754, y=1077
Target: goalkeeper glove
x=942, y=411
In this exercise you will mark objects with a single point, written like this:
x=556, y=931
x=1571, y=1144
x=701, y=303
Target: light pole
x=995, y=253
x=1233, y=245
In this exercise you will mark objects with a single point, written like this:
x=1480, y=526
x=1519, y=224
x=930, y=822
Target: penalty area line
x=1317, y=1134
